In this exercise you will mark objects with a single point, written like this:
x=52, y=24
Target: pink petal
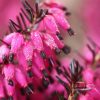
x=20, y=77
x=37, y=41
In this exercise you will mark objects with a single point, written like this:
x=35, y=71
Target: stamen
x=66, y=49
x=57, y=51
x=28, y=90
x=45, y=83
x=10, y=82
x=45, y=73
x=11, y=57
x=59, y=36
x=5, y=59
x=43, y=55
x=70, y=31
x=58, y=69
x=30, y=73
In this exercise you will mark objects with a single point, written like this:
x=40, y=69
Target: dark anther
x=11, y=57
x=64, y=8
x=45, y=83
x=29, y=62
x=50, y=68
x=51, y=62
x=40, y=89
x=45, y=73
x=10, y=98
x=3, y=98
x=30, y=73
x=31, y=86
x=5, y=59
x=51, y=79
x=66, y=49
x=59, y=36
x=10, y=82
x=67, y=13
x=57, y=51
x=58, y=62
x=28, y=90
x=43, y=55
x=58, y=69
x=70, y=31
x=22, y=91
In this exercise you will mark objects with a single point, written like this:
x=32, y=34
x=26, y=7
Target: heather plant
x=30, y=68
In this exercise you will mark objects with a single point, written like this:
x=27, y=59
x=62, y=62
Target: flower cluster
x=28, y=52
x=29, y=64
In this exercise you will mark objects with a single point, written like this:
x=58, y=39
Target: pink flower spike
x=20, y=77
x=17, y=43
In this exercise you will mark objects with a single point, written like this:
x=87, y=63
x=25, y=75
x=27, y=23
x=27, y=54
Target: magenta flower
x=30, y=68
